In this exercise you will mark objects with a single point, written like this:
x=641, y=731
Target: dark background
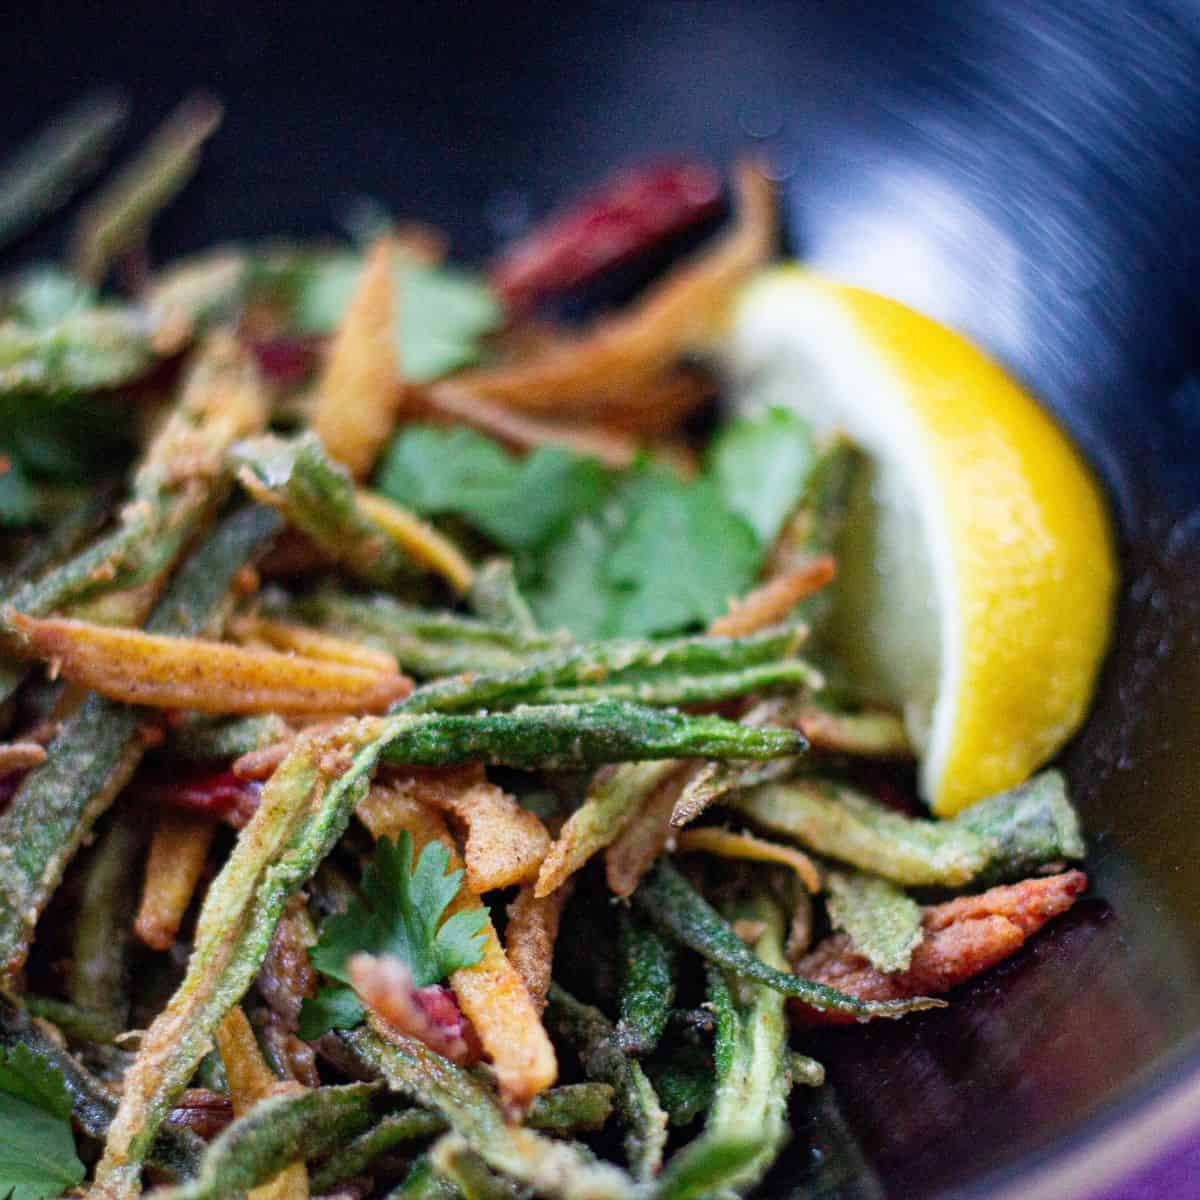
x=1027, y=172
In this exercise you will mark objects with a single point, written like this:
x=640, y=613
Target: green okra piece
x=46, y=170
x=602, y=1057
x=1005, y=837
x=119, y=218
x=495, y=597
x=647, y=985
x=318, y=497
x=547, y=1167
x=423, y=1183
x=83, y=1024
x=753, y=1079
x=882, y=922
x=453, y=1159
x=666, y=671
x=428, y=644
x=567, y=736
x=98, y=747
x=200, y=738
x=221, y=398
x=202, y=289
x=572, y=1108
x=77, y=525
x=176, y=1152
x=98, y=979
x=671, y=902
x=274, y=1134
x=684, y=1087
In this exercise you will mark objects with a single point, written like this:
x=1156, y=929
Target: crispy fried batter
x=20, y=756
x=637, y=848
x=963, y=938
x=530, y=936
x=178, y=854
x=250, y=629
x=419, y=540
x=728, y=844
x=773, y=600
x=169, y=672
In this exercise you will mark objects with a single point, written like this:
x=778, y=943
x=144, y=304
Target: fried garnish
x=504, y=844
x=251, y=629
x=20, y=756
x=178, y=854
x=775, y=599
x=205, y=1113
x=250, y=1081
x=522, y=432
x=418, y=539
x=872, y=733
x=650, y=832
x=491, y=993
x=385, y=985
x=728, y=844
x=530, y=936
x=287, y=977
x=214, y=677
x=626, y=354
x=963, y=938
x=360, y=389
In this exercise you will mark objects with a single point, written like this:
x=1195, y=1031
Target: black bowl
x=1028, y=173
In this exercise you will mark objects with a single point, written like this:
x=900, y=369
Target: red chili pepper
x=623, y=217
x=221, y=796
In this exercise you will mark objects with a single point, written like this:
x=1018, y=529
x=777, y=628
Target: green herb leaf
x=37, y=1147
x=45, y=294
x=519, y=503
x=322, y=292
x=335, y=1006
x=882, y=921
x=760, y=465
x=444, y=314
x=401, y=913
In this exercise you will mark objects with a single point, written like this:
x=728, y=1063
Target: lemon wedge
x=977, y=574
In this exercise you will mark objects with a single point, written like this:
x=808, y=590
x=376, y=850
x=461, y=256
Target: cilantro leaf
x=444, y=314
x=335, y=1006
x=37, y=1147
x=401, y=913
x=760, y=465
x=519, y=503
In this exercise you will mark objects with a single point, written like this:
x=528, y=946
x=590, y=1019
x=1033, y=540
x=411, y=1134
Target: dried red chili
x=221, y=796
x=623, y=217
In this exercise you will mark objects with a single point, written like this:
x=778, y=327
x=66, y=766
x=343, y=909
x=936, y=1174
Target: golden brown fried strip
x=251, y=1080
x=360, y=392
x=214, y=677
x=309, y=643
x=624, y=355
x=20, y=756
x=963, y=938
x=491, y=994
x=640, y=843
x=728, y=844
x=419, y=540
x=522, y=432
x=872, y=733
x=530, y=936
x=505, y=844
x=178, y=854
x=775, y=599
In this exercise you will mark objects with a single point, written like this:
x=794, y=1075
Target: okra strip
x=882, y=922
x=574, y=1108
x=176, y=487
x=566, y=736
x=119, y=217
x=273, y=1135
x=453, y=1159
x=684, y=1088
x=647, y=986
x=1005, y=837
x=670, y=671
x=176, y=1151
x=98, y=979
x=423, y=1183
x=429, y=644
x=673, y=904
x=85, y=1024
x=549, y=1168
x=207, y=739
x=56, y=161
x=495, y=597
x=98, y=747
x=603, y=1058
x=299, y=820
x=317, y=496
x=753, y=1079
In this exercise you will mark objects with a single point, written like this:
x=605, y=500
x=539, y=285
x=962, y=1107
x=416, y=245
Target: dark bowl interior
x=1028, y=173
